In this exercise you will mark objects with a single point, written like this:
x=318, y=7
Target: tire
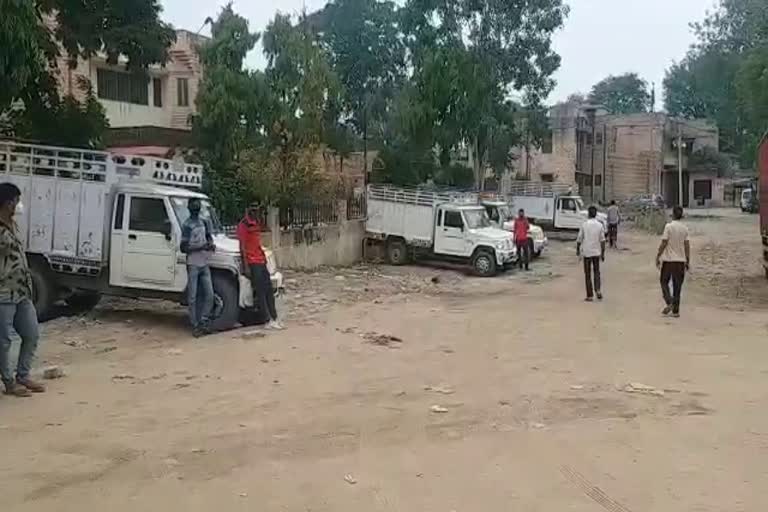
x=484, y=263
x=43, y=291
x=397, y=252
x=83, y=301
x=252, y=316
x=226, y=302
x=537, y=254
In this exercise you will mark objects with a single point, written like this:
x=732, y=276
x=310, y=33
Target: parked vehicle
x=98, y=223
x=762, y=172
x=415, y=223
x=748, y=201
x=551, y=205
x=503, y=217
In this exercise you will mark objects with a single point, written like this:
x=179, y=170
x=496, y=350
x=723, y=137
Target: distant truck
x=413, y=223
x=98, y=223
x=503, y=217
x=554, y=206
x=762, y=172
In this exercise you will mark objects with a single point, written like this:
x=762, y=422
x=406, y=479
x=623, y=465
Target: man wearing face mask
x=17, y=312
x=197, y=244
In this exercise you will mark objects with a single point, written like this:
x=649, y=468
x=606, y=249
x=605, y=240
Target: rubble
x=439, y=409
x=643, y=389
x=350, y=479
x=382, y=340
x=53, y=372
x=442, y=389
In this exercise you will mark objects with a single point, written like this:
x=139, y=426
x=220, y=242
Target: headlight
x=502, y=245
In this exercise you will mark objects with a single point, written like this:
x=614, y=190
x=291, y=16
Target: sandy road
x=531, y=378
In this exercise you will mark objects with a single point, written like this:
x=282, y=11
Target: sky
x=600, y=37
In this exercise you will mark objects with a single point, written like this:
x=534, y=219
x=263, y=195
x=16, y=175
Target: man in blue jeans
x=197, y=244
x=17, y=312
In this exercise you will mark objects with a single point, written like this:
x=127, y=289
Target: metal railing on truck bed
x=541, y=189
x=418, y=196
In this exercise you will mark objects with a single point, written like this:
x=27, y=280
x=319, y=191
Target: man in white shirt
x=673, y=258
x=591, y=245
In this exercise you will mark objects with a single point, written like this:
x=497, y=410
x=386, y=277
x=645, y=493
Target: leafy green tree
x=623, y=94
x=29, y=51
x=468, y=55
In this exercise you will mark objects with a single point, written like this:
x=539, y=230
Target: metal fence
x=356, y=208
x=309, y=214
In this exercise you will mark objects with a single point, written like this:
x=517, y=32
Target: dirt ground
x=501, y=394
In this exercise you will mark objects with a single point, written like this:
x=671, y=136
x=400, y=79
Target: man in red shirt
x=255, y=262
x=521, y=240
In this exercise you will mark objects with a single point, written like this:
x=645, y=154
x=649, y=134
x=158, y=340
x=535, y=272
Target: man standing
x=249, y=235
x=197, y=244
x=590, y=244
x=17, y=312
x=674, y=259
x=614, y=218
x=521, y=240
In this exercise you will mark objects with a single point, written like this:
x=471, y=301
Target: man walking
x=249, y=235
x=197, y=244
x=522, y=241
x=17, y=312
x=614, y=218
x=674, y=259
x=590, y=244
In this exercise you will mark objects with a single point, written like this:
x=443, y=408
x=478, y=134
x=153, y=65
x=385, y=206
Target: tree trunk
x=477, y=164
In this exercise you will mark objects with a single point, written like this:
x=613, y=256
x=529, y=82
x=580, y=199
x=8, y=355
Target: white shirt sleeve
x=665, y=235
x=580, y=238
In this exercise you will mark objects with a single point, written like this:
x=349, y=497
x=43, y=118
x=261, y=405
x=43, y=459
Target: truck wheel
x=484, y=263
x=43, y=291
x=397, y=252
x=83, y=301
x=537, y=254
x=226, y=302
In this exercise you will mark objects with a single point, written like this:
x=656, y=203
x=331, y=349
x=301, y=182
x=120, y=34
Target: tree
x=468, y=55
x=623, y=94
x=366, y=51
x=29, y=51
x=720, y=77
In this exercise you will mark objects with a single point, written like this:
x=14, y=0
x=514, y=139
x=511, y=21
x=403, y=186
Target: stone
x=253, y=334
x=53, y=372
x=439, y=409
x=350, y=479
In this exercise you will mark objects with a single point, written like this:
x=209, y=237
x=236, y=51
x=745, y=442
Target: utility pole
x=679, y=164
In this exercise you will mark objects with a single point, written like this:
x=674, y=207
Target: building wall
x=184, y=62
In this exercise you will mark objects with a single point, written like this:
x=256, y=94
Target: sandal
x=31, y=385
x=17, y=390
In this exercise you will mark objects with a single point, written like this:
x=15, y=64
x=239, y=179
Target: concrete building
x=622, y=156
x=147, y=113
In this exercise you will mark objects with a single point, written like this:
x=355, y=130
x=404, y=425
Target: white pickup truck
x=551, y=205
x=415, y=222
x=503, y=217
x=98, y=223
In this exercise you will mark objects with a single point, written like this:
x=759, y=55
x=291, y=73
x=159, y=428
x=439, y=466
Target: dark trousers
x=613, y=234
x=592, y=269
x=262, y=291
x=672, y=271
x=523, y=253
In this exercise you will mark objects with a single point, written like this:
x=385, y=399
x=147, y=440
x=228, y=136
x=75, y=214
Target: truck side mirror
x=167, y=230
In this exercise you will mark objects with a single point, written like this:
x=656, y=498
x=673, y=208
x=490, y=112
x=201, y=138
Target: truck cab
x=502, y=216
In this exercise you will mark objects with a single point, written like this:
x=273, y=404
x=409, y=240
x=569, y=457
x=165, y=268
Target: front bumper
x=540, y=245
x=246, y=290
x=505, y=256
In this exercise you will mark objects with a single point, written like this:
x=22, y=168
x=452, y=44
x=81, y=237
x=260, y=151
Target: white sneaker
x=275, y=325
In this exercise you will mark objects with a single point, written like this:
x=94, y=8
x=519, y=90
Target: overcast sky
x=601, y=37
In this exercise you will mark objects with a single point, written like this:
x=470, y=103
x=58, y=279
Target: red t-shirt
x=521, y=229
x=249, y=234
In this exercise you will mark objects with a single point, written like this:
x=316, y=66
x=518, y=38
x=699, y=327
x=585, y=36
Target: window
x=182, y=92
x=598, y=139
x=453, y=220
x=598, y=180
x=149, y=215
x=120, y=211
x=440, y=218
x=548, y=178
x=588, y=139
x=546, y=143
x=118, y=86
x=157, y=92
x=568, y=204
x=702, y=189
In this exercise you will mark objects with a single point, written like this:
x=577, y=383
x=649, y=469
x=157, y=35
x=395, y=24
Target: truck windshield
x=207, y=212
x=476, y=219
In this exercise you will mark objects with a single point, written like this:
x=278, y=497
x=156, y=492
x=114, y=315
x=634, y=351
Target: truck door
x=148, y=250
x=567, y=215
x=449, y=233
